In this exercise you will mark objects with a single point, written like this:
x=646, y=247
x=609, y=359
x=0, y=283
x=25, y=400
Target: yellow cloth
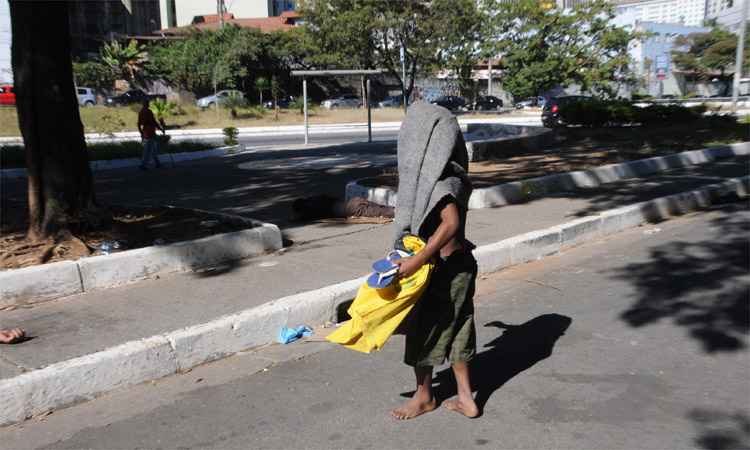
x=376, y=313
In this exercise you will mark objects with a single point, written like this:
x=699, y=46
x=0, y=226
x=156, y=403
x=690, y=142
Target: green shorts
x=441, y=325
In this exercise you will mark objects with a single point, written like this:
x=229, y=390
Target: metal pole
x=738, y=57
x=369, y=111
x=403, y=74
x=489, y=76
x=220, y=10
x=304, y=102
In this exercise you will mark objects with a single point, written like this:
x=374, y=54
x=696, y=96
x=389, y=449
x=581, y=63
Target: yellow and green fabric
x=376, y=313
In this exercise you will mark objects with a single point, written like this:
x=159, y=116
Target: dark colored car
x=283, y=102
x=132, y=96
x=392, y=101
x=488, y=103
x=450, y=102
x=551, y=113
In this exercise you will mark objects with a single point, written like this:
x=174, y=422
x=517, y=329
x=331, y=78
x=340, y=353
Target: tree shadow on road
x=703, y=286
x=518, y=348
x=721, y=431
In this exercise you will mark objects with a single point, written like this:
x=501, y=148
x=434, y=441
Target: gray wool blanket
x=432, y=164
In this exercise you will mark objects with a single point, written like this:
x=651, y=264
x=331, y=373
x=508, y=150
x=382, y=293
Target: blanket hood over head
x=432, y=164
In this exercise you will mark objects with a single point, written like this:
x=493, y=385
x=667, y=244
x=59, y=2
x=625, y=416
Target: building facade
x=653, y=58
x=682, y=12
x=93, y=23
x=180, y=13
x=727, y=13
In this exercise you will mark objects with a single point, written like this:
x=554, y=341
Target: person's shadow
x=515, y=350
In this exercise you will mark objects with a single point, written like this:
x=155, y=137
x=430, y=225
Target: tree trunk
x=60, y=188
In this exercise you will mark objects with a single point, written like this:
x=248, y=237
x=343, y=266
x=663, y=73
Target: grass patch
x=12, y=156
x=102, y=119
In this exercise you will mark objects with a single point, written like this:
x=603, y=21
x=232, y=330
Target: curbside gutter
x=85, y=377
x=531, y=188
x=46, y=282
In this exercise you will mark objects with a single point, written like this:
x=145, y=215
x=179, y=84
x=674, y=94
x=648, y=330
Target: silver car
x=344, y=101
x=219, y=98
x=86, y=96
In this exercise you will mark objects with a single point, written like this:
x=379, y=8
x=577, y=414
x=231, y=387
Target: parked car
x=392, y=101
x=283, y=102
x=219, y=98
x=86, y=96
x=7, y=96
x=551, y=112
x=132, y=96
x=487, y=103
x=450, y=102
x=531, y=102
x=344, y=101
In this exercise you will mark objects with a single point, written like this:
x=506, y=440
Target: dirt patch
x=584, y=148
x=131, y=228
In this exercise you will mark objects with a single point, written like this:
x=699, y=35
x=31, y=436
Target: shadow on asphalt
x=518, y=348
x=702, y=286
x=721, y=431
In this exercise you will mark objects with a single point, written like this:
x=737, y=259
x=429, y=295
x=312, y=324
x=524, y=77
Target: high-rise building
x=92, y=23
x=727, y=13
x=682, y=12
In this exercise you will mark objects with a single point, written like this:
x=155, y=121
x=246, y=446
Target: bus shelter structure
x=365, y=74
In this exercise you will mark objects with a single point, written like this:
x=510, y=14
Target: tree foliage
x=709, y=54
x=367, y=34
x=126, y=61
x=93, y=74
x=229, y=58
x=542, y=46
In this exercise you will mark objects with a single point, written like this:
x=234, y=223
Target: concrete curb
x=83, y=378
x=133, y=162
x=531, y=188
x=46, y=282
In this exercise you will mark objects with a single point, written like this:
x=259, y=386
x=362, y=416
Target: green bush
x=230, y=135
x=598, y=113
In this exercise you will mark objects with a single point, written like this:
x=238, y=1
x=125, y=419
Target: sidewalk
x=323, y=254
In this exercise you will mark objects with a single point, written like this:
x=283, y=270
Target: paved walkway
x=323, y=254
x=602, y=351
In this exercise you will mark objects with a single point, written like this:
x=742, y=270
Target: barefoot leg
x=464, y=402
x=422, y=401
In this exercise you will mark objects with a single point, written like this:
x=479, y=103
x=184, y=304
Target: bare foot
x=465, y=406
x=413, y=407
x=11, y=336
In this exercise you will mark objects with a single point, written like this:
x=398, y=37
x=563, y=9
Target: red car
x=7, y=96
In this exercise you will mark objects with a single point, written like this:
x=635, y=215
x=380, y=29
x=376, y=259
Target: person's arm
x=140, y=124
x=449, y=223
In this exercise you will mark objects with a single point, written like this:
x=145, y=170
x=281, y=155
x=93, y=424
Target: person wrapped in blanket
x=327, y=207
x=433, y=196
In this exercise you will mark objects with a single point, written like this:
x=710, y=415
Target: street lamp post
x=738, y=56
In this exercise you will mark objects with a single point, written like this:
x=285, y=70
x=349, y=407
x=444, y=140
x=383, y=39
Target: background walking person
x=147, y=125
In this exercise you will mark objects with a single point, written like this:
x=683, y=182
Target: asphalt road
x=293, y=139
x=634, y=342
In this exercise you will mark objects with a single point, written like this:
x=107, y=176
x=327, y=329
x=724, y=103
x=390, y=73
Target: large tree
x=542, y=46
x=208, y=60
x=60, y=189
x=709, y=55
x=368, y=34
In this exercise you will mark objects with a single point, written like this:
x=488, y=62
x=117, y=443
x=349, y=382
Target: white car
x=86, y=96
